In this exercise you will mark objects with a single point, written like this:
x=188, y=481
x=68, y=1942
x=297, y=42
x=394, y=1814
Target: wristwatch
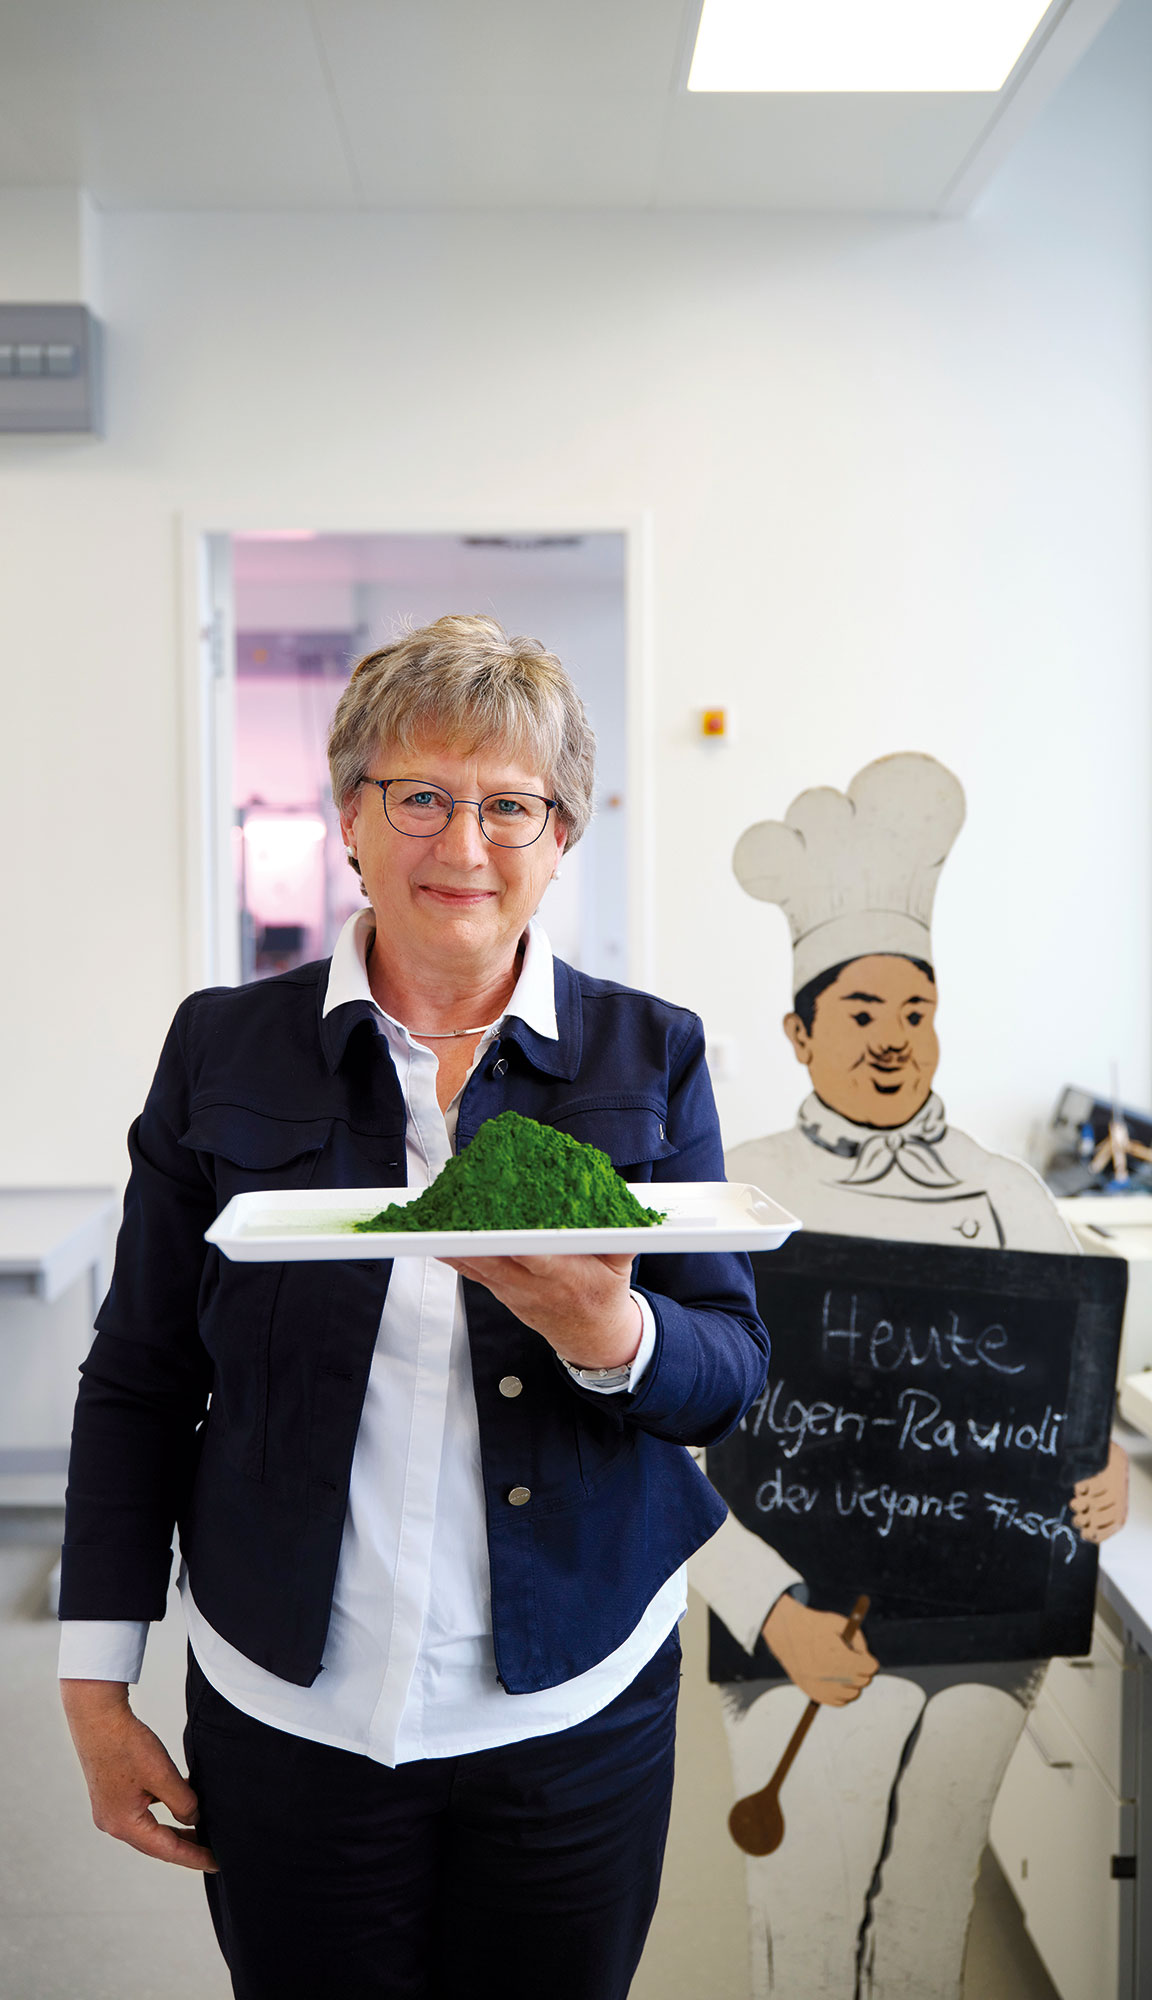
x=603, y=1378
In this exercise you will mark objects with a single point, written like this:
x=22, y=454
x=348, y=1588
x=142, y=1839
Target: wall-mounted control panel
x=50, y=372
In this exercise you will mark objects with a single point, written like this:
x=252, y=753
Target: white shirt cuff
x=102, y=1649
x=613, y=1381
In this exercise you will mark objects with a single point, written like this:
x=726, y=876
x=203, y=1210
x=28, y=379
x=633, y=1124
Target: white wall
x=49, y=246
x=898, y=482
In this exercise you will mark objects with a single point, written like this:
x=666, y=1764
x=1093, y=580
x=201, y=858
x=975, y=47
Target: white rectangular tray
x=300, y=1225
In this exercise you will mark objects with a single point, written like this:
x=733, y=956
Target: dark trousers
x=523, y=1873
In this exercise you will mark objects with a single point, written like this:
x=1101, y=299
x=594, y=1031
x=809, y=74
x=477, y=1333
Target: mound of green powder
x=517, y=1174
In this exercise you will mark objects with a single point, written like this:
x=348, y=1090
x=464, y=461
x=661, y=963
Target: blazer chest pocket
x=634, y=1136
x=242, y=1149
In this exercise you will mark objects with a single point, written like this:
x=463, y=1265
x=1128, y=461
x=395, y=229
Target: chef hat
x=856, y=873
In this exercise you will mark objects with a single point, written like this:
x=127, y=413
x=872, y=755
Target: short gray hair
x=464, y=680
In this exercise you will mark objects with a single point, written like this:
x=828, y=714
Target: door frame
x=208, y=655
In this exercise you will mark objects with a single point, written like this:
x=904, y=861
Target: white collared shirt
x=409, y=1667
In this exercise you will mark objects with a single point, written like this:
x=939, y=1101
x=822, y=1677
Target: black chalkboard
x=927, y=1412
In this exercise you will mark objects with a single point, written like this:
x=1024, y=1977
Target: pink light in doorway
x=291, y=833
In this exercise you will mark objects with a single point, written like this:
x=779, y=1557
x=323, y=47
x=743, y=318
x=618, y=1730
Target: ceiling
x=470, y=104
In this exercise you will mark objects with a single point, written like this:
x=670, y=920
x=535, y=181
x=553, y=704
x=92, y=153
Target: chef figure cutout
x=869, y=1895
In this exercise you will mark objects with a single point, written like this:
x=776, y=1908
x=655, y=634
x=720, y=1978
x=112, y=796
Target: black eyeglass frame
x=382, y=784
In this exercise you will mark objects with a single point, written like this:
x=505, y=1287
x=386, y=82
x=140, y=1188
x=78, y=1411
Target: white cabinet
x=1090, y=1694
x=50, y=1240
x=1063, y=1815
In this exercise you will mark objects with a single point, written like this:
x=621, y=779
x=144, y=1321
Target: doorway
x=285, y=616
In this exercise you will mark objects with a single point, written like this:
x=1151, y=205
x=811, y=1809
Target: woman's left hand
x=582, y=1306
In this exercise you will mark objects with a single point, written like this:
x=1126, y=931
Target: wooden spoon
x=757, y=1823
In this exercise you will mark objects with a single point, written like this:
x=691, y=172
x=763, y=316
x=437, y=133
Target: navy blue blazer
x=225, y=1397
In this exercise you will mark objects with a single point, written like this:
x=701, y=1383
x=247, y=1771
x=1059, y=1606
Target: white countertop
x=1126, y=1560
x=50, y=1236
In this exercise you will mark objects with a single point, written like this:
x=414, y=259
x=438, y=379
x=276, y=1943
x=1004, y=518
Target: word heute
x=887, y=1348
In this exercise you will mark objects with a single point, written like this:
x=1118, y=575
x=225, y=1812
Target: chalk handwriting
x=1021, y=1437
x=773, y=1497
x=887, y=1348
x=923, y=1425
x=797, y=1420
x=1005, y=1512
x=918, y=1438
x=920, y=1422
x=884, y=1504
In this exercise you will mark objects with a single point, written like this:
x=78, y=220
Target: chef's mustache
x=899, y=1053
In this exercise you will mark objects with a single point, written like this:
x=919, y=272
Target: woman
x=434, y=1520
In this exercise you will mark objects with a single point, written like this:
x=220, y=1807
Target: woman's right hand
x=128, y=1770
x=814, y=1654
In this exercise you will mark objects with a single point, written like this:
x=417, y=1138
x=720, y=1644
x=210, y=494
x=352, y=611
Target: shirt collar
x=533, y=999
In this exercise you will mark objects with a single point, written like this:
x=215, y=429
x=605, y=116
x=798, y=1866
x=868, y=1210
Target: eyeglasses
x=417, y=809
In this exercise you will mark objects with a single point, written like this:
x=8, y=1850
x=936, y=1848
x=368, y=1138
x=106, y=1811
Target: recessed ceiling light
x=883, y=45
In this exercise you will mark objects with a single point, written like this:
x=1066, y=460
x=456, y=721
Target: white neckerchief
x=912, y=1149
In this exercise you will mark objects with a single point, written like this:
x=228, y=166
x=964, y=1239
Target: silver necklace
x=446, y=1034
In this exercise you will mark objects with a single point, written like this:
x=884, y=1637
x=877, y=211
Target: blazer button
x=519, y=1496
x=510, y=1385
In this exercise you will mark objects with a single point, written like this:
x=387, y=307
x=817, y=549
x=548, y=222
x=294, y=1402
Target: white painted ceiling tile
x=810, y=153
x=504, y=48
x=167, y=104
x=101, y=42
x=473, y=150
x=194, y=150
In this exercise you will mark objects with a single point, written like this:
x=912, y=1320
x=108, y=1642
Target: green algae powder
x=518, y=1174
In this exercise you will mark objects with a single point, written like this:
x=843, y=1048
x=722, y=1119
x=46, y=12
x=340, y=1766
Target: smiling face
x=450, y=903
x=872, y=1049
